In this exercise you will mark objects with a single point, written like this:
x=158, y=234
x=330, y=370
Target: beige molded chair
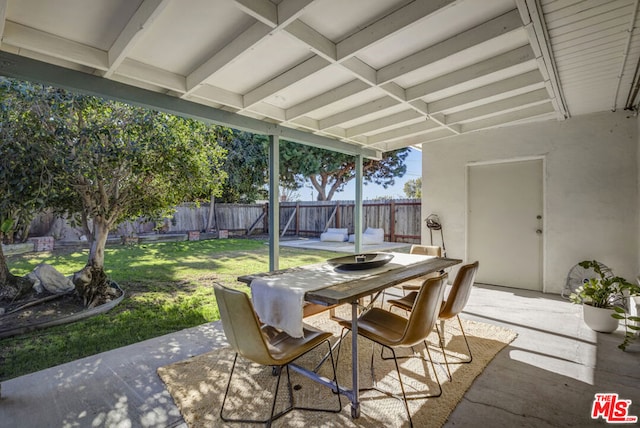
x=264, y=345
x=454, y=304
x=393, y=331
x=425, y=250
x=414, y=284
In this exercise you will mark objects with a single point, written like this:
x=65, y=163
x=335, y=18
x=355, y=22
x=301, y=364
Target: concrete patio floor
x=547, y=377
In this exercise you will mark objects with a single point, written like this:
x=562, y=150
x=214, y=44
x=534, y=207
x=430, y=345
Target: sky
x=373, y=191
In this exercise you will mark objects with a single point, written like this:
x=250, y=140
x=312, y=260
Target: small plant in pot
x=603, y=301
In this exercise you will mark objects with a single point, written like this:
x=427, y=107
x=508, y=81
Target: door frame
x=469, y=165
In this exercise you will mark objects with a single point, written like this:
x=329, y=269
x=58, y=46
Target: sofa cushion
x=370, y=236
x=334, y=235
x=344, y=231
x=374, y=232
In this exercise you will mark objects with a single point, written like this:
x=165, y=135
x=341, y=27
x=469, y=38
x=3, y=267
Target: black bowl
x=361, y=261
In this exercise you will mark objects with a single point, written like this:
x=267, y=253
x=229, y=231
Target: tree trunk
x=11, y=286
x=85, y=227
x=91, y=282
x=212, y=210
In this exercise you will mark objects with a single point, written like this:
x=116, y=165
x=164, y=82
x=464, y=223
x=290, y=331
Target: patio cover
x=358, y=76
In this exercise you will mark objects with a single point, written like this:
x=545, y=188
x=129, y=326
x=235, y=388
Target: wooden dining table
x=351, y=291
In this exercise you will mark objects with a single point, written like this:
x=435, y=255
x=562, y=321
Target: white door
x=505, y=223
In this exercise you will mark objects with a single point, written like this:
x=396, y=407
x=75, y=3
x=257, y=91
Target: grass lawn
x=167, y=286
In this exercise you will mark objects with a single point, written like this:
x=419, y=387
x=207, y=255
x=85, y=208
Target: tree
x=246, y=165
x=330, y=171
x=120, y=162
x=123, y=162
x=413, y=188
x=26, y=171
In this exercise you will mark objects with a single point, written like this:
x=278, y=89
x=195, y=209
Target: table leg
x=355, y=400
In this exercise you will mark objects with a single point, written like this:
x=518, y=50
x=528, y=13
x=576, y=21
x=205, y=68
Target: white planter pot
x=599, y=319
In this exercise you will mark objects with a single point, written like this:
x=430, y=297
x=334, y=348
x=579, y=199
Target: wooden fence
x=400, y=219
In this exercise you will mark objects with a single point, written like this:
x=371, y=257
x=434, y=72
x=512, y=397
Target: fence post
x=392, y=221
x=297, y=218
x=338, y=220
x=265, y=221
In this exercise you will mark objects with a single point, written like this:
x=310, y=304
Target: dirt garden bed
x=40, y=311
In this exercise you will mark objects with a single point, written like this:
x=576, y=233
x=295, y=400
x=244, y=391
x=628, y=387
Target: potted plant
x=603, y=301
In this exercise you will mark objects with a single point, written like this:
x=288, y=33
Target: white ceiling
x=376, y=74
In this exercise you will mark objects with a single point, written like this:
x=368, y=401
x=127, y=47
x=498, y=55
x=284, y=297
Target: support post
x=274, y=203
x=357, y=214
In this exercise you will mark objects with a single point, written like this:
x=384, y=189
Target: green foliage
x=6, y=225
x=631, y=326
x=103, y=161
x=606, y=291
x=330, y=171
x=27, y=168
x=247, y=165
x=609, y=291
x=413, y=188
x=123, y=161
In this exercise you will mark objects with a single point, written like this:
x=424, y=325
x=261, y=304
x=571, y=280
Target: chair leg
x=326, y=356
x=444, y=354
x=272, y=417
x=404, y=395
x=334, y=365
x=335, y=391
x=465, y=341
x=343, y=335
x=464, y=336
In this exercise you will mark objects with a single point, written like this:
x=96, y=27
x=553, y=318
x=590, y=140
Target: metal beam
x=36, y=71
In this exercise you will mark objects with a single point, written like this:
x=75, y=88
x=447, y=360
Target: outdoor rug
x=197, y=385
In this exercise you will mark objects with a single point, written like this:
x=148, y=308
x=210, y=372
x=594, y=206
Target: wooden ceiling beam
x=403, y=132
x=510, y=84
x=389, y=25
x=357, y=112
x=498, y=63
x=351, y=88
x=47, y=44
x=491, y=29
x=537, y=96
x=289, y=77
x=139, y=23
x=3, y=17
x=394, y=120
x=227, y=55
x=514, y=116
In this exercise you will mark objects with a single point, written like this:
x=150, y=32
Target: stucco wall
x=590, y=196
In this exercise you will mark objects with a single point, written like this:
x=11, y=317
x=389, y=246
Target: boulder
x=46, y=277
